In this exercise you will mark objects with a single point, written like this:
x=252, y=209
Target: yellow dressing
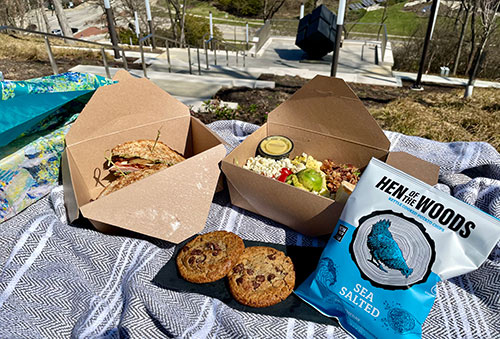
x=276, y=145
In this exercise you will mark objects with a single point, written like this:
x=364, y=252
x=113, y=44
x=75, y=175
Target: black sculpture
x=316, y=32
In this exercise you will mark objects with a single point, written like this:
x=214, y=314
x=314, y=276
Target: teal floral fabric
x=35, y=116
x=31, y=105
x=30, y=172
x=8, y=89
x=64, y=82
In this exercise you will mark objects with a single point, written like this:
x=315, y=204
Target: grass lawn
x=398, y=22
x=25, y=57
x=445, y=116
x=204, y=8
x=25, y=47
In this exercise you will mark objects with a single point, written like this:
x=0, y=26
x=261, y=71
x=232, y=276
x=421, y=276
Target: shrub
x=219, y=110
x=354, y=16
x=195, y=28
x=124, y=35
x=245, y=8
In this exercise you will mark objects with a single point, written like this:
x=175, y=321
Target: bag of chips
x=396, y=238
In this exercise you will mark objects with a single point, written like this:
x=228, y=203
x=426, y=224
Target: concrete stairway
x=279, y=57
x=192, y=90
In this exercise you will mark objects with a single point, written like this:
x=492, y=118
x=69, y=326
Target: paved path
x=81, y=17
x=280, y=56
x=189, y=89
x=436, y=79
x=129, y=54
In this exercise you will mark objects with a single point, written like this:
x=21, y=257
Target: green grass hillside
x=398, y=21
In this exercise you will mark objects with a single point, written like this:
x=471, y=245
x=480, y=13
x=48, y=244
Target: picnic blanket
x=60, y=280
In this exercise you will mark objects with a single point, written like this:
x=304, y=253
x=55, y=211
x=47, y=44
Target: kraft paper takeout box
x=327, y=120
x=172, y=204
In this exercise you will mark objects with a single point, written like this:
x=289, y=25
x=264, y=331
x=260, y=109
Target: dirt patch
x=256, y=103
x=29, y=69
x=23, y=70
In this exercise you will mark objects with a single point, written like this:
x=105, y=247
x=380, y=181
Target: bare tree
x=271, y=7
x=178, y=19
x=488, y=23
x=12, y=13
x=473, y=46
x=61, y=17
x=183, y=24
x=382, y=20
x=44, y=15
x=457, y=17
x=172, y=21
x=465, y=5
x=131, y=6
x=100, y=3
x=21, y=10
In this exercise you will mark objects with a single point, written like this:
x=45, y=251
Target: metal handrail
x=383, y=40
x=51, y=55
x=282, y=27
x=227, y=47
x=167, y=42
x=214, y=41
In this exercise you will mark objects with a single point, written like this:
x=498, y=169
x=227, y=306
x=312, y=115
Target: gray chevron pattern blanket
x=59, y=280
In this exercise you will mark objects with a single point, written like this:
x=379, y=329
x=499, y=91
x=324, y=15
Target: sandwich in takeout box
x=135, y=160
x=164, y=196
x=137, y=155
x=326, y=121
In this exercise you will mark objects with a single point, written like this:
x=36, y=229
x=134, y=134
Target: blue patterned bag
x=396, y=239
x=35, y=116
x=36, y=104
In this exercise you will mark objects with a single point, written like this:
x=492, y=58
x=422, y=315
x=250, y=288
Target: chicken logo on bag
x=392, y=250
x=385, y=250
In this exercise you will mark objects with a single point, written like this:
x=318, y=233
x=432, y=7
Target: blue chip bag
x=396, y=238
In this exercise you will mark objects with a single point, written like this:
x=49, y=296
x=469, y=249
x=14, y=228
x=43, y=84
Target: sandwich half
x=138, y=155
x=128, y=179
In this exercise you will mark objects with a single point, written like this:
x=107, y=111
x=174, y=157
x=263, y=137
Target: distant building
x=91, y=31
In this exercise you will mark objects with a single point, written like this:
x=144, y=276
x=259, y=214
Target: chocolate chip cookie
x=209, y=257
x=263, y=276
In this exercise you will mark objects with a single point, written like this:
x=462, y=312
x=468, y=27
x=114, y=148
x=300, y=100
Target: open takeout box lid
x=171, y=204
x=339, y=113
x=126, y=104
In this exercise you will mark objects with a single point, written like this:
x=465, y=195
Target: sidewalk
x=436, y=79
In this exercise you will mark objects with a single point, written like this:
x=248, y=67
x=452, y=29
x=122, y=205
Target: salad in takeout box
x=322, y=178
x=333, y=137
